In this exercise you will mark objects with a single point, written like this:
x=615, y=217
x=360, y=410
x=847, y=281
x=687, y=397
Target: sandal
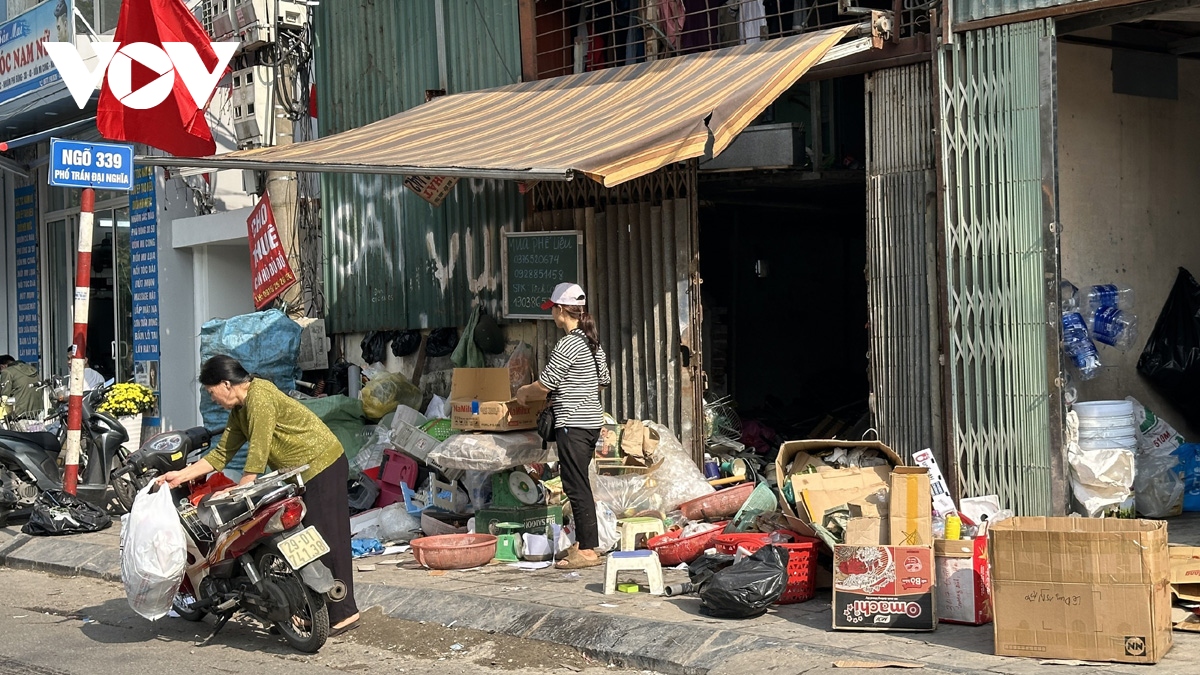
x=575, y=560
x=334, y=632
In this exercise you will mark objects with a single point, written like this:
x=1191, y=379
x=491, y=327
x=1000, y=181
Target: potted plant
x=128, y=401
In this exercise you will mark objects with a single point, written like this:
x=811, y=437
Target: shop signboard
x=104, y=166
x=143, y=277
x=24, y=64
x=270, y=273
x=25, y=199
x=533, y=263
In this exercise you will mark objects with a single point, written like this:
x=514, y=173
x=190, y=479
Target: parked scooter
x=32, y=463
x=248, y=550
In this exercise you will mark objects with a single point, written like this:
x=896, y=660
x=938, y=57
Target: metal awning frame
x=873, y=28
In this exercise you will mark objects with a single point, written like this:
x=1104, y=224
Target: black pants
x=328, y=507
x=575, y=449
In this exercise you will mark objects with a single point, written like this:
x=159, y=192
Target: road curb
x=60, y=555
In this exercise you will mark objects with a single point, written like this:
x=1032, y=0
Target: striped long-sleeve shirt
x=575, y=378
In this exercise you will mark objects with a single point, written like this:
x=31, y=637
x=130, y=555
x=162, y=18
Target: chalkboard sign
x=533, y=264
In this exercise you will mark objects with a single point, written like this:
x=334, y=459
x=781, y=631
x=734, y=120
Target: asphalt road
x=51, y=625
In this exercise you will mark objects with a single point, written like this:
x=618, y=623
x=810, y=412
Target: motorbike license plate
x=303, y=547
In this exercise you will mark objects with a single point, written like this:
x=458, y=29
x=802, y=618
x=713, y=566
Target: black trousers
x=328, y=507
x=575, y=449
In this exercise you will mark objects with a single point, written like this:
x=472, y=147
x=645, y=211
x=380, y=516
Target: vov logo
x=173, y=59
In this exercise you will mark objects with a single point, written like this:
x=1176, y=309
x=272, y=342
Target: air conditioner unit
x=291, y=14
x=251, y=98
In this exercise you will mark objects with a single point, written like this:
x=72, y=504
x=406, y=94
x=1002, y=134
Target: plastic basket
x=762, y=500
x=801, y=569
x=674, y=550
x=802, y=560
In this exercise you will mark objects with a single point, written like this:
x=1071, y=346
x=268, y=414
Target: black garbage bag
x=55, y=512
x=338, y=381
x=1171, y=359
x=406, y=343
x=488, y=336
x=441, y=342
x=746, y=589
x=702, y=569
x=374, y=345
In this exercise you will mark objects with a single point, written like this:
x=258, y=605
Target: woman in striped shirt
x=577, y=370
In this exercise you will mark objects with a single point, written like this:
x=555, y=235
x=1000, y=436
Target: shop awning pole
x=83, y=284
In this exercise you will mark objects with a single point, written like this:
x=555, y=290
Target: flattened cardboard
x=497, y=410
x=963, y=579
x=883, y=588
x=829, y=488
x=910, y=512
x=866, y=527
x=1081, y=588
x=789, y=453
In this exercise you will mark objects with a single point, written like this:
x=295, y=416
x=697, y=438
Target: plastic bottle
x=939, y=527
x=1114, y=327
x=953, y=527
x=1108, y=295
x=1079, y=346
x=711, y=468
x=1068, y=295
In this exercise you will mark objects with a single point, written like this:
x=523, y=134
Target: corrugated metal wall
x=640, y=275
x=972, y=10
x=393, y=260
x=902, y=258
x=993, y=156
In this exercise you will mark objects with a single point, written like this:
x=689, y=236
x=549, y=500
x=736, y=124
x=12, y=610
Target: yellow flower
x=128, y=398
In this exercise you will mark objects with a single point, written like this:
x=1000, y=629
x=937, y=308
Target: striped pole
x=83, y=288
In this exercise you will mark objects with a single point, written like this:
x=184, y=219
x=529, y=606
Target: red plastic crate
x=802, y=560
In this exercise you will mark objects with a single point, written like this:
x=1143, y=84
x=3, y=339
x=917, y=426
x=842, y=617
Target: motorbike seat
x=42, y=439
x=227, y=510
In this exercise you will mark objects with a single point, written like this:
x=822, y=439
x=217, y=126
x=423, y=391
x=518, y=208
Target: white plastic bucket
x=1107, y=434
x=1115, y=422
x=1122, y=443
x=1103, y=408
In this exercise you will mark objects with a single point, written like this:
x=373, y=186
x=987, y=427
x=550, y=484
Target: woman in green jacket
x=283, y=434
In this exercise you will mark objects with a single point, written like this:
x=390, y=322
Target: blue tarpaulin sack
x=265, y=343
x=1189, y=466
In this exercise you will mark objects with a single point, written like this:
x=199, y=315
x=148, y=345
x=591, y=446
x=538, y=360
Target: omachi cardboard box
x=481, y=400
x=884, y=588
x=1093, y=589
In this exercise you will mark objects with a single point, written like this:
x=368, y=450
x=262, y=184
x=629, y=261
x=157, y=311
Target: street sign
x=104, y=166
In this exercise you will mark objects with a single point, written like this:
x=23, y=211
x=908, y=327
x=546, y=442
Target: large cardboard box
x=910, y=511
x=828, y=487
x=1081, y=588
x=883, y=588
x=963, y=581
x=480, y=400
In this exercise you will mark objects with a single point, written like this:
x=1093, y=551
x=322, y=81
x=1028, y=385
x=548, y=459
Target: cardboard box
x=866, y=527
x=963, y=580
x=883, y=588
x=480, y=400
x=412, y=441
x=910, y=511
x=1081, y=588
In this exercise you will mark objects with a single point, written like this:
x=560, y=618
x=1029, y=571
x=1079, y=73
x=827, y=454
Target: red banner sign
x=270, y=272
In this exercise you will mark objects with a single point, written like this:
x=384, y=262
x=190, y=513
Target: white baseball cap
x=566, y=294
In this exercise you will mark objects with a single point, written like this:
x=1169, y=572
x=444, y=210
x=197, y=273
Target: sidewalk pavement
x=666, y=635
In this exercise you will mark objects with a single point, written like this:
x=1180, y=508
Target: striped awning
x=612, y=125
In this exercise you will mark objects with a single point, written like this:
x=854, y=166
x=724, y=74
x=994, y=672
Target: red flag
x=175, y=125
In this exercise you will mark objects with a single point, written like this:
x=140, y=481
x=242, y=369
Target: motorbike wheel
x=308, y=627
x=125, y=487
x=184, y=609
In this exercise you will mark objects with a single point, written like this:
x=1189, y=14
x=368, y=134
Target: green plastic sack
x=381, y=395
x=344, y=417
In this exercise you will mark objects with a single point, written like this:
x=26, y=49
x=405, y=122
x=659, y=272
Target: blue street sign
x=106, y=166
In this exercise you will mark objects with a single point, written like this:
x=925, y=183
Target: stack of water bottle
x=1105, y=316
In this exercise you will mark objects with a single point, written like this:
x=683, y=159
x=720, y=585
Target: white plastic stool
x=632, y=527
x=623, y=561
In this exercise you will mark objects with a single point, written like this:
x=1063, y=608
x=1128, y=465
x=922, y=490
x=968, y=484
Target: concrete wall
x=180, y=401
x=1128, y=171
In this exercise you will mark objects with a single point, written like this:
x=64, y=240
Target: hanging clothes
x=700, y=25
x=753, y=20
x=729, y=32
x=673, y=14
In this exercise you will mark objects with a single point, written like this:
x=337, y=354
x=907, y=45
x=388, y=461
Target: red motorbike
x=248, y=550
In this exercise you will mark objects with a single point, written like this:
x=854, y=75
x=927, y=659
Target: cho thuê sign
x=269, y=269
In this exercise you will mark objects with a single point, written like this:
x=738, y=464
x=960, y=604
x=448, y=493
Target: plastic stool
x=622, y=561
x=508, y=542
x=632, y=527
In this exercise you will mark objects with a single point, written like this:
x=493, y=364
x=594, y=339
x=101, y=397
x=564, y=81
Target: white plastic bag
x=438, y=408
x=1100, y=478
x=1154, y=434
x=396, y=524
x=153, y=553
x=1158, y=486
x=607, y=528
x=490, y=452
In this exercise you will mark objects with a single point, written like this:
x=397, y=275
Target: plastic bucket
x=1105, y=434
x=1116, y=422
x=1122, y=443
x=1103, y=408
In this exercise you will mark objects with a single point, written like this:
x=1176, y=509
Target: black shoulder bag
x=546, y=419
